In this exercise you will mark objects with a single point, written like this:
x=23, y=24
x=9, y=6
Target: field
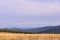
x=13, y=36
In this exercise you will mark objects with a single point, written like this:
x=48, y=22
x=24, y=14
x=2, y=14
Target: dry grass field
x=13, y=36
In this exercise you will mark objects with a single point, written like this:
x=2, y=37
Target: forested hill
x=47, y=29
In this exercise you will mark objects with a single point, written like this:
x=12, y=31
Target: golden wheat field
x=13, y=36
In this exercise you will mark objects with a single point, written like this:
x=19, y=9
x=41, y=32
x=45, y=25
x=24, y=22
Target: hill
x=47, y=29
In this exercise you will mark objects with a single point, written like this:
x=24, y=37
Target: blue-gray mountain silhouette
x=46, y=29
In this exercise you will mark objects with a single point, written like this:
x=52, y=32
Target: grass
x=15, y=36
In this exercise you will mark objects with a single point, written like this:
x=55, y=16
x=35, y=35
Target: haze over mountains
x=46, y=29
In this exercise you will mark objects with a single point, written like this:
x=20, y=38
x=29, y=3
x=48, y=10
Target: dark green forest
x=13, y=31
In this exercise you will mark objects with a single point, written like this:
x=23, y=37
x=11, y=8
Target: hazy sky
x=29, y=12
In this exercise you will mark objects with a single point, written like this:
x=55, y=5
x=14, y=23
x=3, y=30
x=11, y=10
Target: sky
x=29, y=13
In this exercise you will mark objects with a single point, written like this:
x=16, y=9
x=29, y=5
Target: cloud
x=31, y=7
x=42, y=12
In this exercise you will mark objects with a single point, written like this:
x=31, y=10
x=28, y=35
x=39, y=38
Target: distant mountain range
x=46, y=29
